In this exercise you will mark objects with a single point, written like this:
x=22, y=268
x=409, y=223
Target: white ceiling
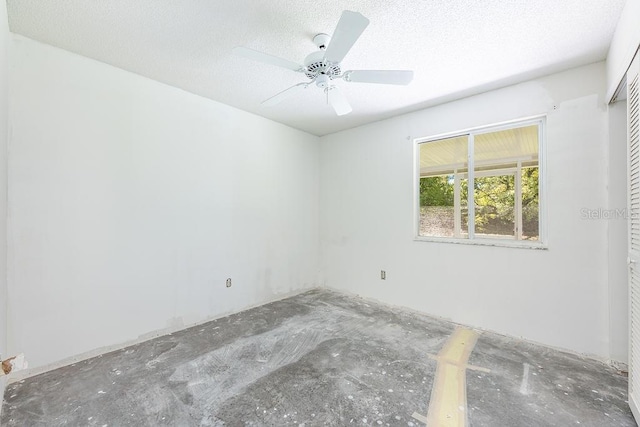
x=456, y=48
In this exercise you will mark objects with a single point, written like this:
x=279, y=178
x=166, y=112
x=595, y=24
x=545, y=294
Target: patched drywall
x=131, y=203
x=558, y=296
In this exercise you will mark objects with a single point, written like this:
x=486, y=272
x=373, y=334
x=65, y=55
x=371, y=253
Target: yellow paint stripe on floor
x=448, y=404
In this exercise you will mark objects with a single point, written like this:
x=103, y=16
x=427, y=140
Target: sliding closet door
x=633, y=123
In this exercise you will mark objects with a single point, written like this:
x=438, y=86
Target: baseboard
x=30, y=372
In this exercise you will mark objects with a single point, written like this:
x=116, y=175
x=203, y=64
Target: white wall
x=557, y=296
x=624, y=45
x=131, y=202
x=618, y=231
x=4, y=133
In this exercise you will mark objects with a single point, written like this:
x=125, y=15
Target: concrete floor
x=319, y=358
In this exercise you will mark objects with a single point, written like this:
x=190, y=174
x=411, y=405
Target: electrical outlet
x=383, y=275
x=229, y=282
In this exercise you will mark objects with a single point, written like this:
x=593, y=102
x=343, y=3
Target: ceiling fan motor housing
x=315, y=64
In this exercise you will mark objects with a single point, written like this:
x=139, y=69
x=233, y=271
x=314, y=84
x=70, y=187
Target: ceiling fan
x=323, y=67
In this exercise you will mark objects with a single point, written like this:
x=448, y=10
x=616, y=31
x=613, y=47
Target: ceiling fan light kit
x=323, y=66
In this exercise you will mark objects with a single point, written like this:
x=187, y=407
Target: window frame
x=542, y=242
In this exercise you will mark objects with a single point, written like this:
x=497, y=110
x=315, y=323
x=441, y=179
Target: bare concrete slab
x=319, y=358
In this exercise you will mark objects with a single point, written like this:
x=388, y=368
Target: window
x=481, y=184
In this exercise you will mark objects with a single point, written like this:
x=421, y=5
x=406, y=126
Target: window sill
x=519, y=244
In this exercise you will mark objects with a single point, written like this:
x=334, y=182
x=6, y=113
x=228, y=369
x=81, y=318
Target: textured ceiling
x=455, y=47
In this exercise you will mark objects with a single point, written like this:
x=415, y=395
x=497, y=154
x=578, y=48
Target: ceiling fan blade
x=338, y=101
x=389, y=77
x=267, y=59
x=276, y=99
x=350, y=27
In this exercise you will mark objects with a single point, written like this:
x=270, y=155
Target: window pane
x=440, y=162
x=503, y=203
x=494, y=198
x=530, y=204
x=437, y=217
x=504, y=148
x=443, y=156
x=464, y=207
